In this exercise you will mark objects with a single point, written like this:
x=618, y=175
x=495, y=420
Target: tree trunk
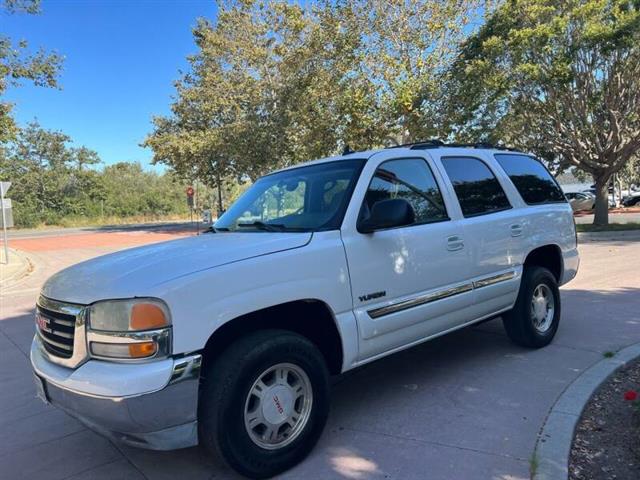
x=601, y=216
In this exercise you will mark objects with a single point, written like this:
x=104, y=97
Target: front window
x=412, y=180
x=301, y=199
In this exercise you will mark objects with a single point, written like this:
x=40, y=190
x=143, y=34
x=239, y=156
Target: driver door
x=408, y=282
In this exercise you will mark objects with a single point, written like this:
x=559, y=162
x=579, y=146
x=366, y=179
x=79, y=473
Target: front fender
x=204, y=301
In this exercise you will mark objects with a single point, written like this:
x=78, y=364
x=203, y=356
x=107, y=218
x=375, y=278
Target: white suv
x=228, y=339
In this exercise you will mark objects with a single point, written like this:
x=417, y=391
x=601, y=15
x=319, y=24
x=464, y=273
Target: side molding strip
x=439, y=295
x=420, y=300
x=485, y=282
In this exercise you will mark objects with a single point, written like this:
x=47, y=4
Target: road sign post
x=4, y=186
x=190, y=192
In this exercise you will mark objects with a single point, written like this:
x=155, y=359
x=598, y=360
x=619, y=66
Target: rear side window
x=533, y=181
x=476, y=187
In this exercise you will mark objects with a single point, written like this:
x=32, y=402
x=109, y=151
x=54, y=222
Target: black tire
x=224, y=390
x=519, y=322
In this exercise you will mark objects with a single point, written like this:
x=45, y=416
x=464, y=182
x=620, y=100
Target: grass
x=612, y=227
x=534, y=463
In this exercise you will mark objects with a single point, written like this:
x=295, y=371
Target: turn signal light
x=147, y=316
x=142, y=350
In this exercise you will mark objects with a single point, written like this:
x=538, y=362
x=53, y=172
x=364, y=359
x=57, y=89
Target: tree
x=83, y=157
x=275, y=83
x=39, y=157
x=16, y=65
x=49, y=181
x=405, y=48
x=265, y=90
x=630, y=174
x=557, y=77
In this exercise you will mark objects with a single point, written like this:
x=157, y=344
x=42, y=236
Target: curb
x=554, y=441
x=608, y=236
x=25, y=267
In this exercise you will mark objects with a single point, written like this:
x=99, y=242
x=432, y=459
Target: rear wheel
x=264, y=403
x=535, y=317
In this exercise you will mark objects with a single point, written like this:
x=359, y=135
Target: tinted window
x=533, y=181
x=477, y=188
x=411, y=180
x=308, y=198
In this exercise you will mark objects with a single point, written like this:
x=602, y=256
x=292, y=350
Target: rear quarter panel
x=552, y=224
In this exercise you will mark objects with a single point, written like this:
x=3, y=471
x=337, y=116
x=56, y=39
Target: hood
x=135, y=272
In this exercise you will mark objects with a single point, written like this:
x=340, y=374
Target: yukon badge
x=371, y=296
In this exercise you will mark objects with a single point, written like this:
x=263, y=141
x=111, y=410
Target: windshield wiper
x=268, y=227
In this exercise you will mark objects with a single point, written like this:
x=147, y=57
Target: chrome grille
x=57, y=331
x=61, y=331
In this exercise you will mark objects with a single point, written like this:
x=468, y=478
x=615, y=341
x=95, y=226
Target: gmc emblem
x=42, y=322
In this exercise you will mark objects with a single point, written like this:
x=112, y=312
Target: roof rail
x=431, y=143
x=481, y=145
x=435, y=143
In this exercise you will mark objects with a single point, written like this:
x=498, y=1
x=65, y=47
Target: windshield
x=301, y=199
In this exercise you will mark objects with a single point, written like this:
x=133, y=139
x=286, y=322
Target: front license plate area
x=41, y=389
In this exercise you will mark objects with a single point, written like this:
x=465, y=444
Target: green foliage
x=28, y=6
x=630, y=173
x=53, y=181
x=274, y=83
x=560, y=78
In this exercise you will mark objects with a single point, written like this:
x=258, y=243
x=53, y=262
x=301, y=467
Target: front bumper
x=150, y=405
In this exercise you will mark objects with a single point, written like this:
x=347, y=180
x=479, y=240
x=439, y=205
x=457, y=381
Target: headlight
x=129, y=315
x=133, y=329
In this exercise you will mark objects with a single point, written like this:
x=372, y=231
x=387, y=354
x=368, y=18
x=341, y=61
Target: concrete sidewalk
x=15, y=269
x=466, y=406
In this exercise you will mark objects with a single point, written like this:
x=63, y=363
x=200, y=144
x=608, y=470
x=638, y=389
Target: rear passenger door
x=493, y=229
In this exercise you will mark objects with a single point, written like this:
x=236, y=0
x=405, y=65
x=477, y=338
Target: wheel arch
x=310, y=318
x=547, y=256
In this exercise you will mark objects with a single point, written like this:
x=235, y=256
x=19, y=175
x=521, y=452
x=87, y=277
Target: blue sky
x=121, y=59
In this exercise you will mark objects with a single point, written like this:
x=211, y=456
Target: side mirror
x=395, y=212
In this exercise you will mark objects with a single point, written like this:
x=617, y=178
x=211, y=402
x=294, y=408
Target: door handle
x=455, y=242
x=516, y=230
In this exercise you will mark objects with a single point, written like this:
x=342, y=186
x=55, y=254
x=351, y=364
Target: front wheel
x=264, y=403
x=535, y=317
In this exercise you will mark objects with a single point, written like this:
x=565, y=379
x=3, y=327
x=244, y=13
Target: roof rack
x=431, y=143
x=435, y=143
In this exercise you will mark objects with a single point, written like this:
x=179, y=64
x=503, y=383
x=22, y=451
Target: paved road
x=465, y=406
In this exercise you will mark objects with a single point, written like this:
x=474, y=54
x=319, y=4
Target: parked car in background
x=592, y=192
x=632, y=199
x=581, y=201
x=228, y=339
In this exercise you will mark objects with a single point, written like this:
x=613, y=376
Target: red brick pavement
x=88, y=240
